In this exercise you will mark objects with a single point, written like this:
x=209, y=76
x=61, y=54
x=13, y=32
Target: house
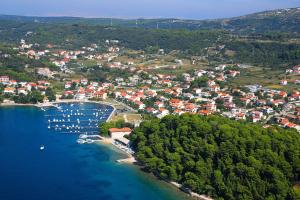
x=80, y=95
x=290, y=125
x=162, y=112
x=200, y=73
x=190, y=107
x=221, y=68
x=215, y=88
x=210, y=106
x=76, y=81
x=151, y=93
x=89, y=93
x=205, y=112
x=151, y=110
x=140, y=105
x=68, y=85
x=159, y=104
x=95, y=84
x=188, y=95
x=233, y=73
x=256, y=116
x=296, y=95
x=229, y=105
x=101, y=95
x=178, y=112
x=13, y=82
x=278, y=102
x=286, y=123
x=117, y=133
x=4, y=79
x=176, y=103
x=45, y=72
x=31, y=85
x=44, y=83
x=282, y=94
x=9, y=90
x=240, y=116
x=211, y=83
x=268, y=110
x=220, y=78
x=296, y=69
x=245, y=100
x=283, y=82
x=84, y=81
x=68, y=93
x=22, y=91
x=197, y=90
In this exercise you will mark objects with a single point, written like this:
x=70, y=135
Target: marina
x=74, y=118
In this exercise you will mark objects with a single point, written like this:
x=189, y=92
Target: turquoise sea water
x=65, y=170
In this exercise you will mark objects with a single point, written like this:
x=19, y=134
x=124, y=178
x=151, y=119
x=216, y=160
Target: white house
x=4, y=79
x=117, y=133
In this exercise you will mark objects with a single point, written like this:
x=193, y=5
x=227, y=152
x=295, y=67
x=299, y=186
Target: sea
x=65, y=170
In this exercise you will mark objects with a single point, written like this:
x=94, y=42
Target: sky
x=184, y=9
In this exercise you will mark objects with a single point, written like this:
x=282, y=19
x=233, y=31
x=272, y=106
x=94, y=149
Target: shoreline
x=128, y=158
x=52, y=104
x=131, y=160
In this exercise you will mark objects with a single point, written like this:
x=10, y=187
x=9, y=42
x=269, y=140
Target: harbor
x=74, y=118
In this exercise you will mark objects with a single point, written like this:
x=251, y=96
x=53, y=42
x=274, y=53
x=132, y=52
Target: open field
x=127, y=117
x=266, y=77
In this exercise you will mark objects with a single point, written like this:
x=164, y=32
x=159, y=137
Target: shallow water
x=65, y=170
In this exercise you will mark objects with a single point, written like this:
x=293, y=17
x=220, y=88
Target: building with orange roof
x=205, y=112
x=117, y=133
x=9, y=90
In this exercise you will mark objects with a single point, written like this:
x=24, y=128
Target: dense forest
x=219, y=157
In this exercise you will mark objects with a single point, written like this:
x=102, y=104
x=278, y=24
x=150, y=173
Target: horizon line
x=137, y=18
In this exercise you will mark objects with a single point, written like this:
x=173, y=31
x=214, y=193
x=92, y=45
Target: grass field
x=127, y=117
x=266, y=77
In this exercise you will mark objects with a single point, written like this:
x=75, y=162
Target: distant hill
x=282, y=20
x=268, y=39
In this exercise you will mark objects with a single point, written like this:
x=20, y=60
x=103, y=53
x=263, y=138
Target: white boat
x=81, y=141
x=42, y=147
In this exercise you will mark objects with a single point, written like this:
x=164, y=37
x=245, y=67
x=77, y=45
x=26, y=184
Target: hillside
x=271, y=39
x=216, y=46
x=219, y=157
x=282, y=20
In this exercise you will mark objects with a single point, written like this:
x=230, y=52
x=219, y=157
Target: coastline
x=131, y=160
x=52, y=104
x=128, y=158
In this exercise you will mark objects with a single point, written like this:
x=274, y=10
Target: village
x=198, y=91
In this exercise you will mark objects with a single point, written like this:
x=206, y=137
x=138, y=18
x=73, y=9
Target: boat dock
x=76, y=118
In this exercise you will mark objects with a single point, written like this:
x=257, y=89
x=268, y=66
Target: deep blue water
x=65, y=170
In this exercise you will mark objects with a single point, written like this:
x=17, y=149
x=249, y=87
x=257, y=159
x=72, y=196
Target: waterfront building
x=117, y=133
